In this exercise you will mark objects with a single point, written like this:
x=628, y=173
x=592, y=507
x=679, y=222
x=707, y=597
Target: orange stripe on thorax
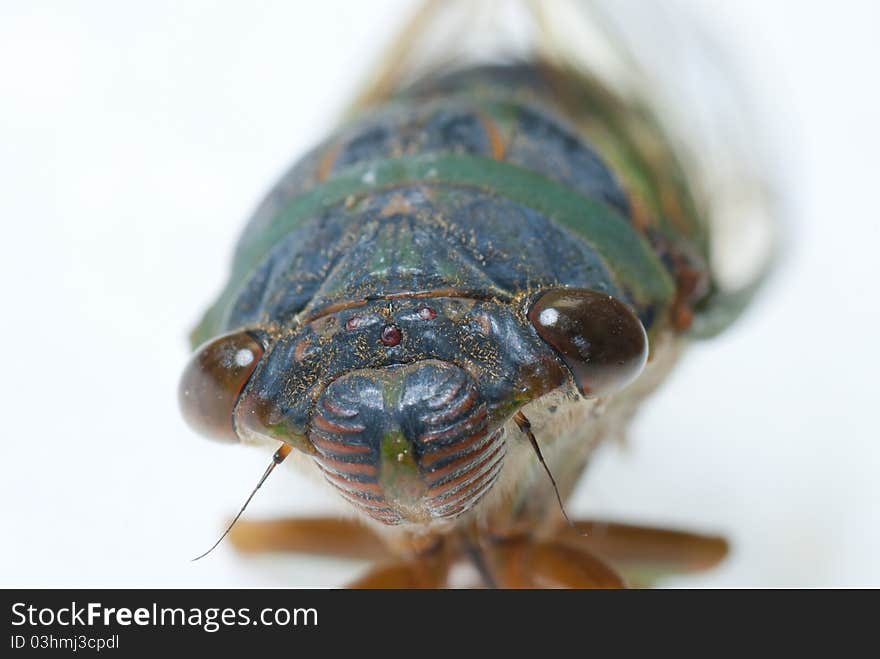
x=496, y=142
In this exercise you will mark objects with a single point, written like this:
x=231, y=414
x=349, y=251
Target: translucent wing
x=655, y=75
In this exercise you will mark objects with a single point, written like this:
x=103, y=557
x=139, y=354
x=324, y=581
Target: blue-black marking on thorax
x=448, y=238
x=431, y=236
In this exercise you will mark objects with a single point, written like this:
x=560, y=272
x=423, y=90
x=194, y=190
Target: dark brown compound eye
x=213, y=381
x=598, y=337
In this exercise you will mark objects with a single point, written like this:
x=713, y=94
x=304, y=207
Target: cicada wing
x=669, y=63
x=640, y=69
x=444, y=35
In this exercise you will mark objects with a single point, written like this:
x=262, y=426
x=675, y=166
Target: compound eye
x=213, y=381
x=598, y=337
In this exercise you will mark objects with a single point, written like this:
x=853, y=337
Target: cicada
x=449, y=303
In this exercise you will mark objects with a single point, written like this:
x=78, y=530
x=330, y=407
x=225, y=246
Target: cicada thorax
x=444, y=260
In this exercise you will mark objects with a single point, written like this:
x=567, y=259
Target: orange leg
x=643, y=552
x=526, y=564
x=427, y=572
x=588, y=556
x=560, y=566
x=324, y=536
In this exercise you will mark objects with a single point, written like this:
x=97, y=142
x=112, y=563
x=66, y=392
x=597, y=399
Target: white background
x=136, y=137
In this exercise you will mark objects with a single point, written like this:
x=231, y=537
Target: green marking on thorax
x=624, y=250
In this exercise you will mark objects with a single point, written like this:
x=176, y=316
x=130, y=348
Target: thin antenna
x=282, y=452
x=526, y=427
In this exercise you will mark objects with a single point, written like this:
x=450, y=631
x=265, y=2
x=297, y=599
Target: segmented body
x=436, y=216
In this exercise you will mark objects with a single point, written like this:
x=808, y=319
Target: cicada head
x=403, y=408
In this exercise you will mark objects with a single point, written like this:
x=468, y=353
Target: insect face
x=409, y=443
x=402, y=403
